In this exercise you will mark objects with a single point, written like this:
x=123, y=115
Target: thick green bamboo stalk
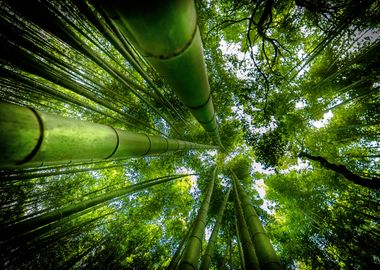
x=32, y=138
x=211, y=242
x=265, y=252
x=47, y=218
x=177, y=255
x=192, y=252
x=166, y=34
x=42, y=15
x=250, y=258
x=123, y=49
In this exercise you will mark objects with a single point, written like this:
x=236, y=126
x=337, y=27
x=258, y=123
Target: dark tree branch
x=373, y=182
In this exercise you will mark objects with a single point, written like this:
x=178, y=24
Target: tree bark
x=373, y=182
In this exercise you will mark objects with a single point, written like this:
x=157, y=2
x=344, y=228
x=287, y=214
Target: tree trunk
x=192, y=250
x=214, y=235
x=373, y=183
x=33, y=138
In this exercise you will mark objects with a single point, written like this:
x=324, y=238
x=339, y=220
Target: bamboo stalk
x=32, y=224
x=168, y=37
x=192, y=250
x=265, y=252
x=32, y=138
x=212, y=241
x=250, y=256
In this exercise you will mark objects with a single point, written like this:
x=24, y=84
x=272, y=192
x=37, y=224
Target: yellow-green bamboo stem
x=192, y=252
x=166, y=34
x=214, y=235
x=32, y=138
x=250, y=257
x=265, y=252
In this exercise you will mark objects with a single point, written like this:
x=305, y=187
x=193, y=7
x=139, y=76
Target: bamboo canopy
x=33, y=138
x=166, y=34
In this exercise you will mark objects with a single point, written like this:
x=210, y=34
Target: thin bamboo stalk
x=214, y=235
x=192, y=252
x=32, y=224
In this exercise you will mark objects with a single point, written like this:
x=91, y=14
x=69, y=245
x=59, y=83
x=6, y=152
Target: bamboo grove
x=188, y=135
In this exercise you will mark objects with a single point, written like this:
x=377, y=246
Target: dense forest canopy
x=228, y=116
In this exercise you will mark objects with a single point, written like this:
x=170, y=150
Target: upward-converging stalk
x=32, y=138
x=192, y=252
x=166, y=34
x=265, y=252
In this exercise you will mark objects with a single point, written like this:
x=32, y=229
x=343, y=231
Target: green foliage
x=276, y=69
x=269, y=147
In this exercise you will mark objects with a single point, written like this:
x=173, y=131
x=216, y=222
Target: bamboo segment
x=166, y=33
x=249, y=252
x=212, y=241
x=32, y=138
x=177, y=255
x=265, y=252
x=192, y=250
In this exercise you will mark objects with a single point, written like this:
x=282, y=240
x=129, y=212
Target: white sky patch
x=208, y=233
x=262, y=130
x=300, y=104
x=258, y=167
x=324, y=121
x=301, y=54
x=260, y=187
x=233, y=49
x=212, y=152
x=301, y=165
